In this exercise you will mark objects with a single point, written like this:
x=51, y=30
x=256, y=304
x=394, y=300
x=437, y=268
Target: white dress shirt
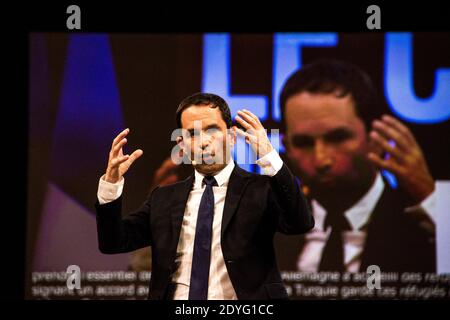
x=219, y=286
x=354, y=239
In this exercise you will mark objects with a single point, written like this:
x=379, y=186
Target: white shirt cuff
x=270, y=164
x=428, y=205
x=108, y=192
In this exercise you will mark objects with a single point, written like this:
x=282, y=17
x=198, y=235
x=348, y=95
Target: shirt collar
x=360, y=212
x=222, y=177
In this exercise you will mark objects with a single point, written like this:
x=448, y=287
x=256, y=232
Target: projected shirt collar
x=358, y=214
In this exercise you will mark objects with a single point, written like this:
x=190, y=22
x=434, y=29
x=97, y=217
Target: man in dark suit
x=211, y=234
x=338, y=152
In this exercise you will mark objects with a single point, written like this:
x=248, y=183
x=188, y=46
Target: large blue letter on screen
x=287, y=55
x=399, y=86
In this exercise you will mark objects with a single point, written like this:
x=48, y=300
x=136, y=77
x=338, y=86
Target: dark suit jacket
x=396, y=241
x=256, y=206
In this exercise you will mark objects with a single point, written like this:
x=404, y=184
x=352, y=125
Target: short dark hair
x=333, y=76
x=204, y=99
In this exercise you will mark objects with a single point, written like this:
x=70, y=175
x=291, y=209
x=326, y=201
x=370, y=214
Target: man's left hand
x=254, y=133
x=406, y=159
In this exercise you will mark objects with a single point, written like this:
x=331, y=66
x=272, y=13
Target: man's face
x=206, y=138
x=326, y=142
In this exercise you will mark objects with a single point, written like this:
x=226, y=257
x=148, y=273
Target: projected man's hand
x=405, y=160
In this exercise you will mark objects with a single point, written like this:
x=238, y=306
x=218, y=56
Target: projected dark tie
x=333, y=253
x=198, y=288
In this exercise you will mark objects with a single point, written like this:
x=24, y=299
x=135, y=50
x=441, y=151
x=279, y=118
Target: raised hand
x=118, y=163
x=254, y=133
x=406, y=159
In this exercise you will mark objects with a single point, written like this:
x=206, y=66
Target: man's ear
x=233, y=135
x=180, y=144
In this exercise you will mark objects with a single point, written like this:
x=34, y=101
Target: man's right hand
x=118, y=163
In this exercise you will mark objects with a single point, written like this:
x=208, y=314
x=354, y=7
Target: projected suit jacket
x=396, y=240
x=256, y=206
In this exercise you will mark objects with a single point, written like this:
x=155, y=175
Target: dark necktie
x=333, y=253
x=198, y=288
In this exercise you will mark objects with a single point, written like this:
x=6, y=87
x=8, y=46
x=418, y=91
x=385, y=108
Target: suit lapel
x=180, y=194
x=236, y=185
